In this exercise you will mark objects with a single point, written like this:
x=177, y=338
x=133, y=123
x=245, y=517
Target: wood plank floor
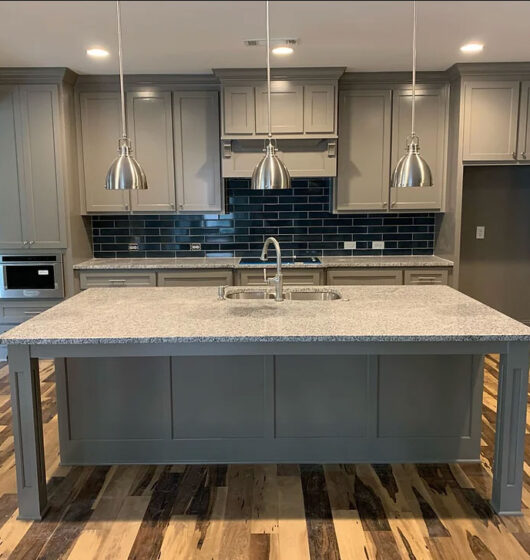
x=259, y=512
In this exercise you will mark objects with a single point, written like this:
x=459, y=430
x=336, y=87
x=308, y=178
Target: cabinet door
x=490, y=120
x=151, y=130
x=291, y=277
x=319, y=108
x=523, y=144
x=195, y=278
x=12, y=193
x=361, y=277
x=43, y=166
x=287, y=108
x=238, y=110
x=100, y=130
x=116, y=279
x=197, y=159
x=432, y=129
x=364, y=150
x=426, y=276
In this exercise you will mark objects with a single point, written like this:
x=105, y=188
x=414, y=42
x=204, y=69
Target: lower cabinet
x=426, y=276
x=291, y=276
x=360, y=276
x=117, y=279
x=196, y=278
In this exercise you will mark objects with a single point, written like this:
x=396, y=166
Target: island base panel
x=258, y=409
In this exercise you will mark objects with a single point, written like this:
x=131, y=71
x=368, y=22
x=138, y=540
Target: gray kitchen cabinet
x=426, y=276
x=98, y=132
x=364, y=150
x=238, y=110
x=196, y=151
x=287, y=108
x=13, y=312
x=151, y=131
x=362, y=276
x=291, y=276
x=116, y=279
x=12, y=195
x=432, y=129
x=491, y=110
x=319, y=108
x=31, y=168
x=523, y=142
x=196, y=278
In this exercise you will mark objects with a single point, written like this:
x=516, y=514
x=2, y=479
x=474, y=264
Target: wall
x=299, y=218
x=496, y=269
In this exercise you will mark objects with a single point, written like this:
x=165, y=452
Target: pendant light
x=270, y=173
x=125, y=173
x=412, y=170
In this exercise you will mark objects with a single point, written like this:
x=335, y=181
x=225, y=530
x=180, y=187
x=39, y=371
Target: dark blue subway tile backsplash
x=300, y=218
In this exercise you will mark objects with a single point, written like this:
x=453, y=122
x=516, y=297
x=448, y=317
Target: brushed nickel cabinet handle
x=523, y=155
x=514, y=155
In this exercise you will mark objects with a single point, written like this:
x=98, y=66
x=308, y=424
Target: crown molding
x=489, y=69
x=309, y=73
x=40, y=75
x=168, y=81
x=391, y=78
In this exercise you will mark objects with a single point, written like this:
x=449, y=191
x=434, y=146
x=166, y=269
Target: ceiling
x=196, y=36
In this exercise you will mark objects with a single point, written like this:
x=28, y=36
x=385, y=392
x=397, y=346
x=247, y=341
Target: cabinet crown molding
x=248, y=74
x=488, y=69
x=41, y=75
x=390, y=79
x=134, y=81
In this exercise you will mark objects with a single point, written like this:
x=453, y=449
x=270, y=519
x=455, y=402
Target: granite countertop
x=206, y=262
x=183, y=315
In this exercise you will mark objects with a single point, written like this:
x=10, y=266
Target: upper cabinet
x=175, y=137
x=197, y=159
x=432, y=129
x=523, y=141
x=491, y=116
x=373, y=128
x=364, y=151
x=32, y=172
x=303, y=103
x=151, y=131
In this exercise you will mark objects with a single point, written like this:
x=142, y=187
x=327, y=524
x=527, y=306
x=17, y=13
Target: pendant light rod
x=120, y=57
x=413, y=132
x=268, y=72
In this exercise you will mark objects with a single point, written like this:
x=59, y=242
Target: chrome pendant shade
x=412, y=170
x=271, y=172
x=125, y=173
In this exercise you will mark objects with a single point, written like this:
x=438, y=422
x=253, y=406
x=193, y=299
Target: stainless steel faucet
x=276, y=281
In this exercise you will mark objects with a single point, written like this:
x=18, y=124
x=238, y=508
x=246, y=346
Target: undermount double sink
x=292, y=295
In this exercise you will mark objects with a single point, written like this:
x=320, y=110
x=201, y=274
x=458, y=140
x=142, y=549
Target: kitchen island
x=167, y=375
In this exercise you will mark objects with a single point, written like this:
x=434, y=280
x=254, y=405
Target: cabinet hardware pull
x=31, y=242
x=117, y=280
x=393, y=204
x=514, y=155
x=32, y=312
x=523, y=155
x=384, y=204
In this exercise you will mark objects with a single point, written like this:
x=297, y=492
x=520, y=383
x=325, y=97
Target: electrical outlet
x=378, y=244
x=134, y=247
x=350, y=244
x=481, y=232
x=195, y=246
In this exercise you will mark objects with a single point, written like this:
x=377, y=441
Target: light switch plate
x=350, y=244
x=481, y=232
x=195, y=246
x=133, y=246
x=378, y=244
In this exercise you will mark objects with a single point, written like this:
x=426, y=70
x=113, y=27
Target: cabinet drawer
x=426, y=276
x=354, y=277
x=291, y=277
x=16, y=312
x=197, y=278
x=116, y=279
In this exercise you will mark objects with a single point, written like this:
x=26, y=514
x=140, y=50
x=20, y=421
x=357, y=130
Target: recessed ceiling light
x=97, y=53
x=471, y=48
x=282, y=50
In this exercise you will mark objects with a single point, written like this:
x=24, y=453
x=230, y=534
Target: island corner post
x=27, y=417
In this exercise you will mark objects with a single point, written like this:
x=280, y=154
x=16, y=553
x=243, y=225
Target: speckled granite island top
x=175, y=315
x=206, y=262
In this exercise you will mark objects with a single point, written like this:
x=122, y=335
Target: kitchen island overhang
x=241, y=382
